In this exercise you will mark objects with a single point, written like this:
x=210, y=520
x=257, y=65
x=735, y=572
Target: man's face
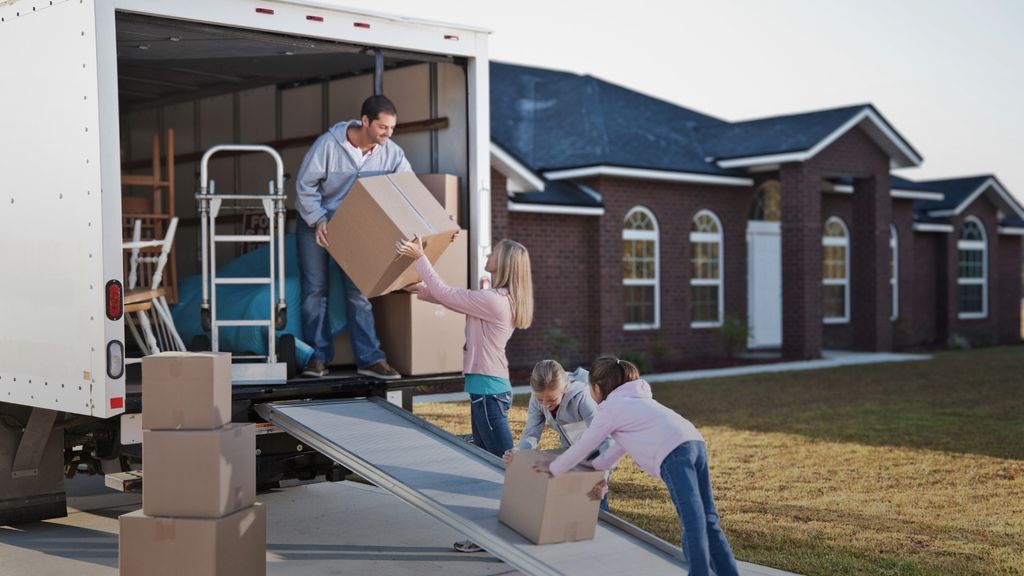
x=380, y=129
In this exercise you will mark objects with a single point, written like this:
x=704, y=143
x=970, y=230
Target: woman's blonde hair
x=548, y=375
x=512, y=271
x=608, y=373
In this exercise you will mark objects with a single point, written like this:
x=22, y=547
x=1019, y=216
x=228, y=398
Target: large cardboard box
x=199, y=473
x=377, y=212
x=453, y=265
x=419, y=337
x=235, y=545
x=186, y=390
x=549, y=510
x=445, y=188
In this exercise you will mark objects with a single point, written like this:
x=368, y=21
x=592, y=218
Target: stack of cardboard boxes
x=199, y=515
x=418, y=337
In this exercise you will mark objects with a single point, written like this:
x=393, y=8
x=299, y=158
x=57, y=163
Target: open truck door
x=62, y=337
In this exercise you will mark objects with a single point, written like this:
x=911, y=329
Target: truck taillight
x=115, y=300
x=361, y=25
x=115, y=359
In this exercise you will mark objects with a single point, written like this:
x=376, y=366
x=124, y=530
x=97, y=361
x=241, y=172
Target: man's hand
x=321, y=234
x=411, y=248
x=598, y=491
x=543, y=466
x=507, y=457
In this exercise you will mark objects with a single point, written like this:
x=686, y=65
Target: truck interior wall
x=272, y=113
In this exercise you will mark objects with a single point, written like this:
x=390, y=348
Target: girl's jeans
x=489, y=416
x=685, y=472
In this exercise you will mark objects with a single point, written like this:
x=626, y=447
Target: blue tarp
x=246, y=302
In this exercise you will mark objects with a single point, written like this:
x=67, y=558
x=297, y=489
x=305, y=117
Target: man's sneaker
x=380, y=370
x=314, y=369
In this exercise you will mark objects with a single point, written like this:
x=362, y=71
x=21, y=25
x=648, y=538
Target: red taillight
x=451, y=37
x=315, y=18
x=361, y=25
x=117, y=403
x=264, y=11
x=115, y=300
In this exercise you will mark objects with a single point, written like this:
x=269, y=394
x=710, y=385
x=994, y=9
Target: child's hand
x=599, y=490
x=507, y=457
x=413, y=288
x=543, y=467
x=411, y=248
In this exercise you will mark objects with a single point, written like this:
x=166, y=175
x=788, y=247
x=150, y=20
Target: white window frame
x=709, y=238
x=645, y=235
x=981, y=245
x=844, y=282
x=894, y=280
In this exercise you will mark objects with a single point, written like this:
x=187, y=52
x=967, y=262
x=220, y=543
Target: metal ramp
x=460, y=485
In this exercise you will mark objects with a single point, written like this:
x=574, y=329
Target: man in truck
x=346, y=152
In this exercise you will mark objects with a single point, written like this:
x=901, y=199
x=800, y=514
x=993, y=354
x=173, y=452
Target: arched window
x=894, y=271
x=972, y=276
x=640, y=269
x=706, y=260
x=835, y=277
x=767, y=202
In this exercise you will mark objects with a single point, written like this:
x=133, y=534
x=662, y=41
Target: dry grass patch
x=901, y=469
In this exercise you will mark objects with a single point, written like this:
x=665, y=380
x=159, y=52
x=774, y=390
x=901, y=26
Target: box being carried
x=377, y=212
x=549, y=510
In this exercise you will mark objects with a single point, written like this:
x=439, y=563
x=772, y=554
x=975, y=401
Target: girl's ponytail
x=608, y=373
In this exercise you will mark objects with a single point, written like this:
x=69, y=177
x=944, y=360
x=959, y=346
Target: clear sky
x=947, y=74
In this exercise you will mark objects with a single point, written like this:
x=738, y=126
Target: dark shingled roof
x=775, y=135
x=561, y=193
x=556, y=120
x=898, y=183
x=956, y=190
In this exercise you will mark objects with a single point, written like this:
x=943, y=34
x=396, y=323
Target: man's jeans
x=314, y=271
x=489, y=417
x=685, y=472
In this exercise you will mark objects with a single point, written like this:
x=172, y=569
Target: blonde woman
x=491, y=317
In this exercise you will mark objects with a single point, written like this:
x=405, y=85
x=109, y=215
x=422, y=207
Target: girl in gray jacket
x=563, y=402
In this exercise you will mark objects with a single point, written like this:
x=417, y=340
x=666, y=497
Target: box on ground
x=377, y=212
x=235, y=545
x=445, y=188
x=548, y=510
x=186, y=390
x=199, y=473
x=419, y=337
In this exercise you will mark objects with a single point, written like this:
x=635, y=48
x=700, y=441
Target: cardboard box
x=199, y=473
x=445, y=188
x=343, y=355
x=186, y=390
x=549, y=510
x=453, y=265
x=419, y=337
x=235, y=545
x=376, y=213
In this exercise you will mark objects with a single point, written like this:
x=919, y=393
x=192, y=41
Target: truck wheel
x=286, y=353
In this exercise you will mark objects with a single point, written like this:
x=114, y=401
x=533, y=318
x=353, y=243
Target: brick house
x=650, y=225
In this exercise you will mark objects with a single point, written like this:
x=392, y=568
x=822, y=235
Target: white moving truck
x=86, y=83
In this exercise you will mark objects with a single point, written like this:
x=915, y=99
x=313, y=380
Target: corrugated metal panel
x=460, y=485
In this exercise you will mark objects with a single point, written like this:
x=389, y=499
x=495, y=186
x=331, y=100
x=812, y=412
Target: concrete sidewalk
x=830, y=359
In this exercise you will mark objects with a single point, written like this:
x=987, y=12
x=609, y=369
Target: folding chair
x=149, y=305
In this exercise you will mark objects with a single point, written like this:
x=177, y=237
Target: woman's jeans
x=489, y=416
x=314, y=272
x=685, y=472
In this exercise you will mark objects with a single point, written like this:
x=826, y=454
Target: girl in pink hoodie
x=663, y=444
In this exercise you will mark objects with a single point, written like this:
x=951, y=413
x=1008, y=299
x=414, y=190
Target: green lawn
x=908, y=468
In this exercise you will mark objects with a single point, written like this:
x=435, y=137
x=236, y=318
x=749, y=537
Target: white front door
x=764, y=284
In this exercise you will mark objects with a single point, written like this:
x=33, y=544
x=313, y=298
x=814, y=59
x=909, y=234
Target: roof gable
x=959, y=193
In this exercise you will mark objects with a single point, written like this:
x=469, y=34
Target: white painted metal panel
x=60, y=238
x=764, y=289
x=338, y=23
